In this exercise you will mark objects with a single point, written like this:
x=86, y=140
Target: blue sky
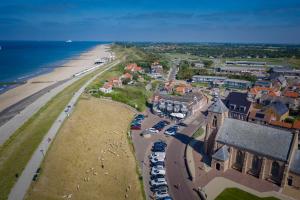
x=264, y=21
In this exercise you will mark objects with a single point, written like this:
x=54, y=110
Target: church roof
x=257, y=138
x=221, y=154
x=218, y=106
x=295, y=164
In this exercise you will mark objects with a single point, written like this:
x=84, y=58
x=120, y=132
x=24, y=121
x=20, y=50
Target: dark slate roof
x=295, y=164
x=242, y=105
x=257, y=138
x=217, y=106
x=279, y=107
x=221, y=154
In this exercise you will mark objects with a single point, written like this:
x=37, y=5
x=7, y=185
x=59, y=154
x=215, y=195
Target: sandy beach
x=63, y=72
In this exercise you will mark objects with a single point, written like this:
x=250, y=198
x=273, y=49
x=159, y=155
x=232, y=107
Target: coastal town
x=188, y=127
x=216, y=128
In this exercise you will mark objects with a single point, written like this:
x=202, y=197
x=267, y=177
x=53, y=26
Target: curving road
x=21, y=186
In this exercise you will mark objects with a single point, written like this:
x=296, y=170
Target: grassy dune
x=91, y=157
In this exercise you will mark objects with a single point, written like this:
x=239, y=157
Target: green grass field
x=18, y=149
x=237, y=194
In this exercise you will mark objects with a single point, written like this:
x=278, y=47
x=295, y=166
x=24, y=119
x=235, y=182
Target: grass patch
x=200, y=84
x=18, y=149
x=134, y=96
x=83, y=143
x=198, y=133
x=237, y=194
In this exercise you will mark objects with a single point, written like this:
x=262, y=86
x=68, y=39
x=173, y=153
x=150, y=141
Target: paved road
x=175, y=164
x=173, y=72
x=7, y=129
x=13, y=110
x=20, y=188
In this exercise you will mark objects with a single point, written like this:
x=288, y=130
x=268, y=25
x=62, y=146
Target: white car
x=158, y=182
x=156, y=172
x=160, y=194
x=152, y=130
x=158, y=167
x=158, y=155
x=157, y=159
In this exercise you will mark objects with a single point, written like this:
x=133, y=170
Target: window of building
x=255, y=164
x=275, y=170
x=218, y=166
x=239, y=160
x=215, y=122
x=290, y=181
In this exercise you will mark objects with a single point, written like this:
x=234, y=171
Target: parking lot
x=143, y=145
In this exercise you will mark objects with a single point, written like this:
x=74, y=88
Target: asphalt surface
x=13, y=110
x=30, y=107
x=23, y=183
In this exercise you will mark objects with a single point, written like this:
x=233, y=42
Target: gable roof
x=295, y=164
x=221, y=154
x=242, y=105
x=291, y=94
x=279, y=108
x=217, y=106
x=257, y=138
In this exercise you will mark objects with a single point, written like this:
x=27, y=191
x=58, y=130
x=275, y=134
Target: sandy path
x=84, y=61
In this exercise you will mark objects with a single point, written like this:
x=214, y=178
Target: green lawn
x=198, y=133
x=237, y=194
x=18, y=149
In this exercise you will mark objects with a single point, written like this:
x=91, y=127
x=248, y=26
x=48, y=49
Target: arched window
x=239, y=160
x=275, y=169
x=255, y=164
x=218, y=166
x=214, y=124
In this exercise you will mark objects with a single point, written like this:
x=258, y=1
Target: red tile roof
x=281, y=124
x=291, y=94
x=296, y=124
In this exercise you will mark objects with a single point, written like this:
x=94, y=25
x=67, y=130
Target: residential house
x=116, y=82
x=133, y=67
x=237, y=84
x=279, y=81
x=106, y=88
x=273, y=114
x=257, y=92
x=291, y=103
x=127, y=76
x=183, y=89
x=263, y=83
x=238, y=104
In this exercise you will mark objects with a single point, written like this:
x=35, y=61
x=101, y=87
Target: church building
x=256, y=150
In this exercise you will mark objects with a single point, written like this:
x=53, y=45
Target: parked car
x=158, y=149
x=154, y=160
x=136, y=127
x=156, y=172
x=159, y=181
x=161, y=194
x=157, y=176
x=155, y=188
x=140, y=117
x=160, y=143
x=157, y=154
x=152, y=130
x=171, y=131
x=158, y=167
x=165, y=198
x=182, y=124
x=162, y=163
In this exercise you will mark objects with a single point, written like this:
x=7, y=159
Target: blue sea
x=21, y=60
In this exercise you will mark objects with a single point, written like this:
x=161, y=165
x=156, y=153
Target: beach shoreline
x=63, y=71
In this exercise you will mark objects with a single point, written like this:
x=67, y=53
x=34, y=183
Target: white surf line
x=11, y=126
x=23, y=183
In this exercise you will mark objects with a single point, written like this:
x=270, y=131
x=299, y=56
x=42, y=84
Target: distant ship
x=69, y=41
x=0, y=48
